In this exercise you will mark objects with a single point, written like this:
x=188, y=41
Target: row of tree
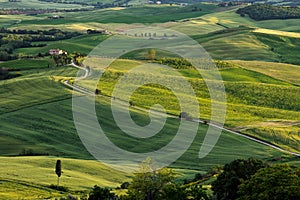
x=177, y=63
x=97, y=4
x=37, y=11
x=181, y=63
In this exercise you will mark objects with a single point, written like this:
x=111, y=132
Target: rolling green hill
x=35, y=4
x=285, y=72
x=36, y=108
x=30, y=177
x=137, y=14
x=252, y=98
x=83, y=44
x=42, y=105
x=44, y=138
x=232, y=19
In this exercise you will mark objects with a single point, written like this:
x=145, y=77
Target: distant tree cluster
x=97, y=5
x=33, y=11
x=230, y=3
x=14, y=39
x=31, y=152
x=41, y=35
x=177, y=63
x=62, y=59
x=223, y=64
x=181, y=63
x=266, y=11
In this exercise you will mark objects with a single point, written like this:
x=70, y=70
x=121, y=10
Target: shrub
x=59, y=188
x=101, y=193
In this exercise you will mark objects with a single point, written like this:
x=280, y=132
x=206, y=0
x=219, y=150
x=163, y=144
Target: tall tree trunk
x=57, y=181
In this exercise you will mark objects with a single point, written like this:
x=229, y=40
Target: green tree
x=56, y=59
x=234, y=173
x=173, y=191
x=4, y=56
x=58, y=170
x=197, y=192
x=278, y=182
x=148, y=182
x=151, y=54
x=99, y=193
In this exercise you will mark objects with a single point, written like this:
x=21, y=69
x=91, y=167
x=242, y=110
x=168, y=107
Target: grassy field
x=243, y=44
x=252, y=98
x=36, y=108
x=35, y=4
x=231, y=44
x=17, y=189
x=191, y=27
x=24, y=135
x=280, y=71
x=30, y=177
x=37, y=173
x=34, y=86
x=136, y=14
x=44, y=138
x=287, y=48
x=231, y=19
x=278, y=33
x=28, y=64
x=81, y=44
x=235, y=43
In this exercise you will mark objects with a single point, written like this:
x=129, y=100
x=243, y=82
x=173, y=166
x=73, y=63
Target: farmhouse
x=55, y=17
x=105, y=32
x=56, y=52
x=183, y=4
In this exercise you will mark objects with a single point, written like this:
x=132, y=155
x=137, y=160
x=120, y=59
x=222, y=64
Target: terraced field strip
x=277, y=32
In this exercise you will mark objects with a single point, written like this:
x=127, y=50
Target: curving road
x=89, y=92
x=76, y=87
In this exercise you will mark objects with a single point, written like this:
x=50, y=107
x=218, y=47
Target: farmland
x=261, y=79
x=255, y=97
x=35, y=4
x=37, y=174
